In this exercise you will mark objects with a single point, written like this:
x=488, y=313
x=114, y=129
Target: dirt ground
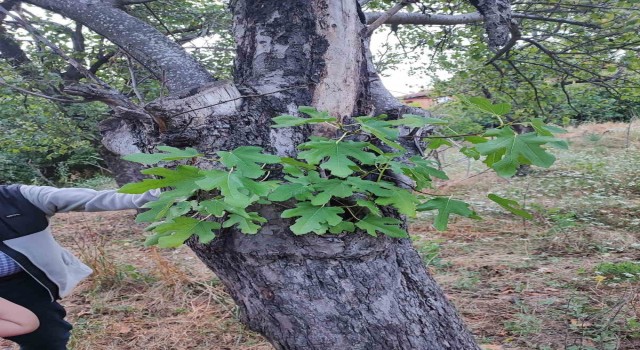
x=518, y=284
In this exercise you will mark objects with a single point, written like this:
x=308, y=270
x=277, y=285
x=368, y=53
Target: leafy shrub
x=15, y=169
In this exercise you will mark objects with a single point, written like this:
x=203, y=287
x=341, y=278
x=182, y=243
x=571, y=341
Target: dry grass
x=518, y=285
x=144, y=298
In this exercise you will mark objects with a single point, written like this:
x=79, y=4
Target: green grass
x=621, y=271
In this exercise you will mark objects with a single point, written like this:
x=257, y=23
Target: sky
x=398, y=81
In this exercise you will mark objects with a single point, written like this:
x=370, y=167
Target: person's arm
x=16, y=320
x=53, y=200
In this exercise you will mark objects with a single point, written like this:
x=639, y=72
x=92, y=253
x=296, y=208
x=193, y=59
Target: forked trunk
x=318, y=292
x=309, y=292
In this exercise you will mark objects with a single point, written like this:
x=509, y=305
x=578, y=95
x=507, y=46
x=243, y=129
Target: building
x=423, y=99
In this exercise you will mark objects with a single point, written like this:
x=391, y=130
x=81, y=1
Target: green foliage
x=509, y=150
x=336, y=156
x=578, y=72
x=48, y=141
x=41, y=142
x=170, y=153
x=621, y=271
x=313, y=218
x=388, y=226
x=334, y=186
x=447, y=206
x=510, y=205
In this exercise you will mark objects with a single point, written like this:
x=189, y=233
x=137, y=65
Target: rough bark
x=163, y=57
x=338, y=292
x=497, y=20
x=341, y=292
x=119, y=137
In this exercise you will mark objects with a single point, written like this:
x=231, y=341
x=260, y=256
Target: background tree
x=34, y=76
x=307, y=292
x=575, y=59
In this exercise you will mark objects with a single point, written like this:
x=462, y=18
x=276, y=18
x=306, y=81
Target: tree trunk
x=340, y=292
x=349, y=291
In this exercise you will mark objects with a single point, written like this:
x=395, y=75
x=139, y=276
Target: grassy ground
x=566, y=280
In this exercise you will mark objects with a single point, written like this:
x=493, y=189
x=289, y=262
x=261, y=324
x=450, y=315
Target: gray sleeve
x=53, y=200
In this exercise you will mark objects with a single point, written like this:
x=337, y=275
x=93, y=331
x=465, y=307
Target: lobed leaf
x=387, y=226
x=313, y=218
x=338, y=155
x=510, y=150
x=445, y=207
x=169, y=153
x=512, y=206
x=248, y=160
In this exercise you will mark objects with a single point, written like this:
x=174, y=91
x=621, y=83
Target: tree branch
x=426, y=19
x=385, y=16
x=33, y=93
x=556, y=20
x=533, y=86
x=134, y=81
x=153, y=50
x=497, y=20
x=121, y=105
x=466, y=18
x=34, y=32
x=515, y=36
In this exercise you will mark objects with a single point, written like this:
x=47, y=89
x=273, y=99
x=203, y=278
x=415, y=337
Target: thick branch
x=466, y=18
x=426, y=19
x=497, y=20
x=515, y=36
x=163, y=57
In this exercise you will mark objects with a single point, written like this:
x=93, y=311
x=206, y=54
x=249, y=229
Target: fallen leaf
x=122, y=329
x=580, y=324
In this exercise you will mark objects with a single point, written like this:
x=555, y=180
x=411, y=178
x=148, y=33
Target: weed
x=593, y=137
x=523, y=324
x=632, y=327
x=107, y=272
x=429, y=250
x=621, y=271
x=98, y=182
x=562, y=220
x=469, y=281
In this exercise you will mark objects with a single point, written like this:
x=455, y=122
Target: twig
x=33, y=93
x=31, y=29
x=134, y=82
x=385, y=16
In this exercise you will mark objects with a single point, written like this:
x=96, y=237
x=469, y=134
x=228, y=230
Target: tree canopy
x=577, y=59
